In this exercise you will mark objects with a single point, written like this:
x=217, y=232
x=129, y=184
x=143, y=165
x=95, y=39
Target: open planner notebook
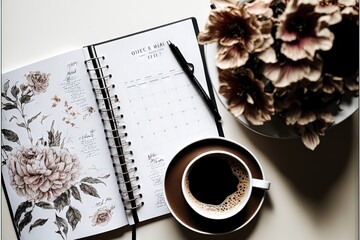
x=87, y=135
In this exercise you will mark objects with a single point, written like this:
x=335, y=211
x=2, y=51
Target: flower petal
x=231, y=57
x=310, y=138
x=237, y=110
x=268, y=56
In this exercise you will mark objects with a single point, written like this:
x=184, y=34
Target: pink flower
x=284, y=72
x=310, y=133
x=306, y=51
x=246, y=95
x=102, y=216
x=303, y=28
x=305, y=110
x=42, y=174
x=238, y=33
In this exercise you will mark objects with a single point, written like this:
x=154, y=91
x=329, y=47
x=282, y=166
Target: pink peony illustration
x=38, y=81
x=42, y=173
x=102, y=216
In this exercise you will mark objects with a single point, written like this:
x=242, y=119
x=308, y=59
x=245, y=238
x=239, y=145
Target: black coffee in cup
x=217, y=182
x=211, y=180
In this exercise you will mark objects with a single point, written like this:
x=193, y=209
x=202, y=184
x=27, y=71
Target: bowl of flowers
x=285, y=68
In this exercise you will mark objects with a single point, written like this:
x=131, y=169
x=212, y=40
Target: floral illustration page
x=56, y=164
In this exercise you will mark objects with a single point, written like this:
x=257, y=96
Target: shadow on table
x=313, y=173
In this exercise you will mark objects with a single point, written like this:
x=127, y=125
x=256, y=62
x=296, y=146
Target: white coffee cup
x=218, y=184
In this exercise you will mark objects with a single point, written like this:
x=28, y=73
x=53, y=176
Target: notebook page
x=162, y=110
x=58, y=176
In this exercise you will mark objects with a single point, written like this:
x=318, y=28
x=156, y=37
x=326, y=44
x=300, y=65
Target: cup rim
x=203, y=212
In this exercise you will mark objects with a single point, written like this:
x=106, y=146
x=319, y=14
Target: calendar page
x=161, y=109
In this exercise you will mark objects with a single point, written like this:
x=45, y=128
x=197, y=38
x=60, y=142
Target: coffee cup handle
x=259, y=183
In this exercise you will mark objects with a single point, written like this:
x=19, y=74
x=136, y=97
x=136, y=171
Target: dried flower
x=239, y=34
x=42, y=174
x=297, y=59
x=303, y=29
x=246, y=95
x=284, y=73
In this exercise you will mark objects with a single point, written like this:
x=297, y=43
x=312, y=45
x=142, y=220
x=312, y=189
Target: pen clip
x=191, y=66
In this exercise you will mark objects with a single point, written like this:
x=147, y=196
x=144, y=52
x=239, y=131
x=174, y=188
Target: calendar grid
x=165, y=107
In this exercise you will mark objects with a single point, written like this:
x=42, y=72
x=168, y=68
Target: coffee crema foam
x=231, y=201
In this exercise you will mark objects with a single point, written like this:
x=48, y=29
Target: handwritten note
x=157, y=167
x=89, y=144
x=72, y=85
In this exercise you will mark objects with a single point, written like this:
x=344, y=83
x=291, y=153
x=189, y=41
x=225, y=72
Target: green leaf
x=73, y=216
x=89, y=190
x=10, y=135
x=92, y=180
x=37, y=223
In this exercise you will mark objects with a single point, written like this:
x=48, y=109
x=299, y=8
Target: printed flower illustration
x=294, y=59
x=38, y=81
x=42, y=174
x=102, y=216
x=42, y=171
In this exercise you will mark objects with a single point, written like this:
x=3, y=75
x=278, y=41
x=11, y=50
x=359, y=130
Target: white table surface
x=314, y=194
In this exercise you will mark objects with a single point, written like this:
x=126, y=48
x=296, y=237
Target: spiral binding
x=104, y=77
x=115, y=134
x=97, y=68
x=115, y=97
x=107, y=88
x=107, y=110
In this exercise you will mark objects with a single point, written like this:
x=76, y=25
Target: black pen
x=188, y=71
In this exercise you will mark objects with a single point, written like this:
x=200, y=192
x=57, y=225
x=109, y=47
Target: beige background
x=314, y=194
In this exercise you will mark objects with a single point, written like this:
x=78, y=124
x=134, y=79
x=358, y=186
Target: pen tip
x=168, y=42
